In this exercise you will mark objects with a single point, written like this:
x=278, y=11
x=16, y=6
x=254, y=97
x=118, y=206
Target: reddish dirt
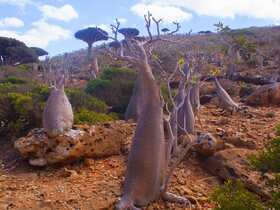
x=96, y=184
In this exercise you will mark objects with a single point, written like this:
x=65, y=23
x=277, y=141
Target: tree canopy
x=13, y=51
x=91, y=35
x=39, y=51
x=129, y=32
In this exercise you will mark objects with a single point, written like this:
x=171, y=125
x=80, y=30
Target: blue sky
x=50, y=24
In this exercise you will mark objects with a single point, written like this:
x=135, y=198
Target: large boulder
x=233, y=164
x=86, y=141
x=266, y=95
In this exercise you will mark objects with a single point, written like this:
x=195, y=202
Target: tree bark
x=132, y=108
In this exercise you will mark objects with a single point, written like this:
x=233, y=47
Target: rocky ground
x=96, y=183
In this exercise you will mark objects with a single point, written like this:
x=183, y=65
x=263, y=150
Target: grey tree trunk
x=146, y=164
x=186, y=118
x=89, y=52
x=226, y=101
x=195, y=97
x=132, y=108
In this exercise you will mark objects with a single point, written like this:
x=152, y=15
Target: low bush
x=13, y=80
x=274, y=203
x=22, y=103
x=80, y=99
x=269, y=159
x=18, y=113
x=233, y=196
x=90, y=117
x=115, y=87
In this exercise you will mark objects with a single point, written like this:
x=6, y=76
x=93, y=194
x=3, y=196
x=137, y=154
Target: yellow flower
x=181, y=63
x=155, y=57
x=215, y=71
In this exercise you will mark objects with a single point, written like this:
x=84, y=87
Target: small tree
x=149, y=132
x=90, y=36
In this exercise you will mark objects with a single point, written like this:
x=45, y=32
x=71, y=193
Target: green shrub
x=13, y=80
x=90, y=117
x=24, y=67
x=274, y=203
x=278, y=130
x=18, y=113
x=233, y=196
x=269, y=159
x=22, y=105
x=114, y=73
x=80, y=99
x=115, y=87
x=97, y=85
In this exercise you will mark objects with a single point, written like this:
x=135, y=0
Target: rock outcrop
x=87, y=141
x=266, y=95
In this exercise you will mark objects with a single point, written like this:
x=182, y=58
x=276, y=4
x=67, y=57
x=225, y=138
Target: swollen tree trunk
x=146, y=164
x=132, y=108
x=186, y=118
x=179, y=102
x=195, y=97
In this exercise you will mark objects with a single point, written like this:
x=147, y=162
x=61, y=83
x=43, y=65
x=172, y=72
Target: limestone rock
x=266, y=95
x=208, y=144
x=90, y=141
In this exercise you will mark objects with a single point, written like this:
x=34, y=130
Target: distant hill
x=265, y=39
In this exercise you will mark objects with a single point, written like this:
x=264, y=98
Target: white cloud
x=20, y=3
x=105, y=27
x=40, y=35
x=168, y=13
x=102, y=26
x=122, y=20
x=12, y=22
x=260, y=9
x=64, y=13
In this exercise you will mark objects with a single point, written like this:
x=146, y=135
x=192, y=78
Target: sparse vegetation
x=127, y=78
x=233, y=196
x=269, y=159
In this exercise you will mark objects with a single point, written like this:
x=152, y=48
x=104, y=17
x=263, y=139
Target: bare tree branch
x=178, y=26
x=157, y=22
x=148, y=24
x=115, y=29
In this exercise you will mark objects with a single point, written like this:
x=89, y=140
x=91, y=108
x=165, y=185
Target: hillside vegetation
x=224, y=153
